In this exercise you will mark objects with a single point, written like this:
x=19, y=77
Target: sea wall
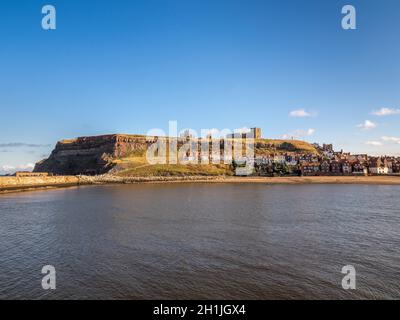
x=17, y=183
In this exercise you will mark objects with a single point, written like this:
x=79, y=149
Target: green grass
x=272, y=145
x=176, y=170
x=138, y=166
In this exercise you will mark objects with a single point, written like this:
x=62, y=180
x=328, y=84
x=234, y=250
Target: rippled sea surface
x=215, y=241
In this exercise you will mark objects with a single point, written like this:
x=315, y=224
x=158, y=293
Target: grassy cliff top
x=68, y=141
x=289, y=145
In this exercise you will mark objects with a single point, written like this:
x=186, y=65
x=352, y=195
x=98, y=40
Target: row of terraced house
x=371, y=166
x=326, y=163
x=330, y=162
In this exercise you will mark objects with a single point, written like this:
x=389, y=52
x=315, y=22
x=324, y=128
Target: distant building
x=251, y=133
x=359, y=168
x=325, y=168
x=377, y=166
x=327, y=147
x=396, y=167
x=280, y=159
x=310, y=169
x=346, y=167
x=336, y=168
x=186, y=135
x=389, y=165
x=256, y=133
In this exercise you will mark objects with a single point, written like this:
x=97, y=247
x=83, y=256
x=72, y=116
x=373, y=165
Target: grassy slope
x=137, y=166
x=286, y=146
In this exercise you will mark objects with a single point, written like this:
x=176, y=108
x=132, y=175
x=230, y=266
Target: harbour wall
x=18, y=183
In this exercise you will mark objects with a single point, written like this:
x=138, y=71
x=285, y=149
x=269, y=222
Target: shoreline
x=8, y=190
x=33, y=184
x=383, y=180
x=370, y=180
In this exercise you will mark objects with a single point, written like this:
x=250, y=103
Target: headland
x=122, y=158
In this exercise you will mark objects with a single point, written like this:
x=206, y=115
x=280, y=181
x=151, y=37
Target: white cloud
x=22, y=144
x=298, y=134
x=310, y=132
x=391, y=139
x=374, y=143
x=367, y=125
x=8, y=169
x=385, y=112
x=300, y=113
x=383, y=139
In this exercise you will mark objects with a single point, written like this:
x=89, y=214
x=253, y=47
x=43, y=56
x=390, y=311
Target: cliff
x=126, y=153
x=90, y=155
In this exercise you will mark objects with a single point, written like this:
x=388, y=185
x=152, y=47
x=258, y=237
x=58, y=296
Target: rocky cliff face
x=98, y=155
x=90, y=155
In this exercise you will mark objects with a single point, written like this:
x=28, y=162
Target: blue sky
x=130, y=66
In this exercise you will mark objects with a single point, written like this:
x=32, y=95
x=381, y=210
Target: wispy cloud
x=22, y=144
x=379, y=143
x=367, y=125
x=300, y=113
x=8, y=169
x=374, y=143
x=391, y=139
x=298, y=134
x=385, y=112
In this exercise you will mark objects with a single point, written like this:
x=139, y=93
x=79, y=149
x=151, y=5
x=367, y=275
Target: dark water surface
x=217, y=241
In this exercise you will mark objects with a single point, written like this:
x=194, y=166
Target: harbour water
x=201, y=241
